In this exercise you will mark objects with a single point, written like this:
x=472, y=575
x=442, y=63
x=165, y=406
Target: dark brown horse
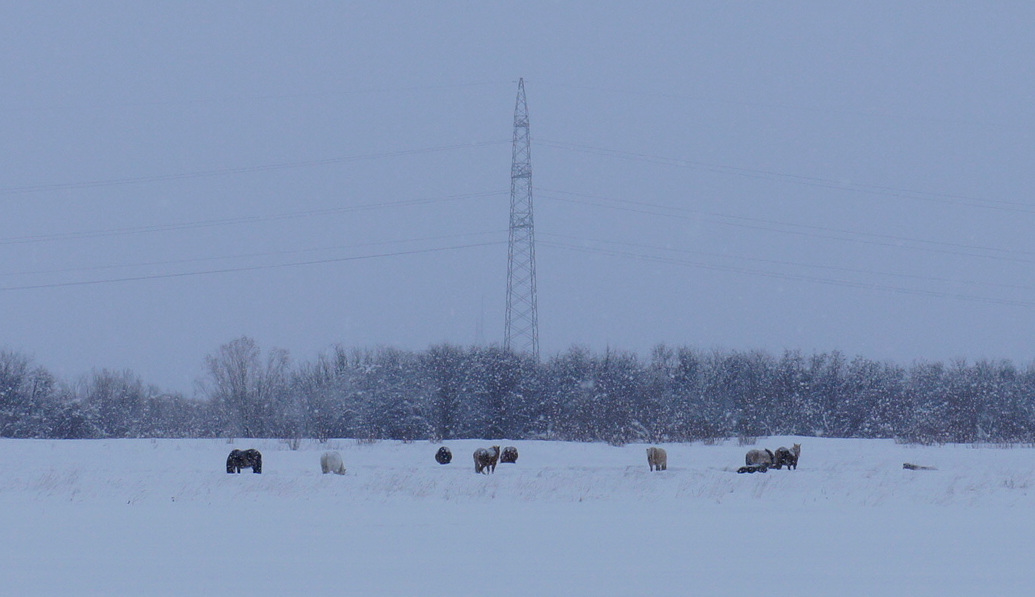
x=783, y=456
x=509, y=455
x=485, y=460
x=239, y=459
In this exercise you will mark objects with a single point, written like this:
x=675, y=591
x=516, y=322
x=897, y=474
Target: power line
x=811, y=231
x=683, y=98
x=237, y=100
x=39, y=238
x=239, y=170
x=248, y=268
x=812, y=181
x=248, y=255
x=792, y=277
x=834, y=268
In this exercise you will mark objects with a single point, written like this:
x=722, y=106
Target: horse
x=485, y=460
x=238, y=459
x=443, y=456
x=657, y=459
x=787, y=457
x=759, y=457
x=330, y=462
x=509, y=455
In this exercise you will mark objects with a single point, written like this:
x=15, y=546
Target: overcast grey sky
x=815, y=176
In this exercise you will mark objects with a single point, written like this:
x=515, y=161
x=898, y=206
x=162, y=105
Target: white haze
x=853, y=176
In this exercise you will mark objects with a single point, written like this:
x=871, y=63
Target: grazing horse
x=787, y=457
x=443, y=456
x=760, y=458
x=239, y=459
x=330, y=462
x=485, y=460
x=509, y=455
x=657, y=459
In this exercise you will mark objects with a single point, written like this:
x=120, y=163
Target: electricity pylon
x=522, y=333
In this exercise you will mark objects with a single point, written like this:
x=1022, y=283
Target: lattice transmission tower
x=522, y=333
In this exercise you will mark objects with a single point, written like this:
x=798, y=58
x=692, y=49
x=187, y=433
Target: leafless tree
x=248, y=392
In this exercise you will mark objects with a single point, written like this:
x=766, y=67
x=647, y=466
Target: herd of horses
x=331, y=462
x=485, y=459
x=759, y=461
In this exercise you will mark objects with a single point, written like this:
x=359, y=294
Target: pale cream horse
x=657, y=459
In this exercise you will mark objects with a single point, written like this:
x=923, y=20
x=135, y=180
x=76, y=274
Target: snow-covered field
x=162, y=517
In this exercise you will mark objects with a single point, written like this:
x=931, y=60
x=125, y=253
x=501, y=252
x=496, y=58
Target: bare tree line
x=448, y=392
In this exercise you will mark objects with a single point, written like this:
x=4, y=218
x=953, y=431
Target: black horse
x=443, y=456
x=239, y=459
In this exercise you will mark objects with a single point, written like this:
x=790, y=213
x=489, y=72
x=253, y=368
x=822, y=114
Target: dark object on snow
x=239, y=459
x=485, y=460
x=754, y=468
x=783, y=456
x=509, y=455
x=657, y=458
x=443, y=456
x=916, y=467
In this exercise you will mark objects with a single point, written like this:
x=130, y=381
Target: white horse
x=657, y=459
x=331, y=462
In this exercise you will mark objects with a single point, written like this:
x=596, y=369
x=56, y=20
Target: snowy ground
x=162, y=517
